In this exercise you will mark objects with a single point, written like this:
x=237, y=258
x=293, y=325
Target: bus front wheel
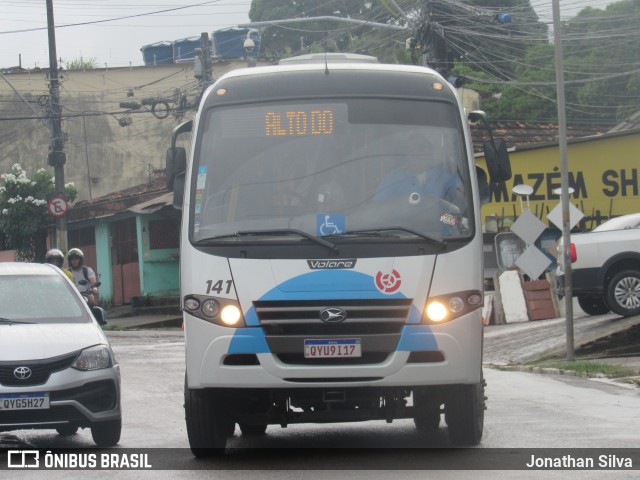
x=427, y=410
x=464, y=414
x=208, y=422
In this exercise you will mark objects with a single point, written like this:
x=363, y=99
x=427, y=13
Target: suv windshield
x=39, y=299
x=332, y=167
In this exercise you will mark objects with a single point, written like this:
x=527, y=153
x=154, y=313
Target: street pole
x=564, y=181
x=207, y=74
x=57, y=157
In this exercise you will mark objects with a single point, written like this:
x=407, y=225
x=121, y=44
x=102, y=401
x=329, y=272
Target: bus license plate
x=24, y=401
x=343, y=348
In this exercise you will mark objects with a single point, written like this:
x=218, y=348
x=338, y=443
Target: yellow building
x=603, y=171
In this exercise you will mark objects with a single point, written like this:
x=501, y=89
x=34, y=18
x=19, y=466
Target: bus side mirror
x=497, y=160
x=483, y=185
x=176, y=163
x=178, y=190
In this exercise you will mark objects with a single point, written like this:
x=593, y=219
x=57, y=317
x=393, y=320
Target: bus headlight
x=221, y=311
x=230, y=315
x=436, y=311
x=449, y=307
x=210, y=308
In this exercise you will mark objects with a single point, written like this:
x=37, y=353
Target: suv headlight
x=94, y=358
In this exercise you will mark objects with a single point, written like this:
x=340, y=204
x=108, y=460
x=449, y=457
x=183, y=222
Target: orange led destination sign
x=284, y=124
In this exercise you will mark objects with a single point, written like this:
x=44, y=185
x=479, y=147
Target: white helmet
x=75, y=253
x=55, y=257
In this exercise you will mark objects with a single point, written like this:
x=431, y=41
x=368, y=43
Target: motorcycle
x=98, y=312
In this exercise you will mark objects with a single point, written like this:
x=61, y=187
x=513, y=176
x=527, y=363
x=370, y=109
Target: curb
x=161, y=323
x=544, y=371
x=618, y=381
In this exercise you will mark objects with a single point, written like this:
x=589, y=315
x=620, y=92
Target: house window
x=82, y=237
x=164, y=233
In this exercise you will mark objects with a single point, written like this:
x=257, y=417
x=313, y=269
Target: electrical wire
x=113, y=19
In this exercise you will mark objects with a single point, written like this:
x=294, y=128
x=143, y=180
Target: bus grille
x=377, y=324
x=363, y=317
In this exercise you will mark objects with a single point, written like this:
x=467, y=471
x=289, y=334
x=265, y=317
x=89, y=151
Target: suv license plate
x=24, y=401
x=343, y=348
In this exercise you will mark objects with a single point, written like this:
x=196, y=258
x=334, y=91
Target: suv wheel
x=67, y=430
x=623, y=293
x=593, y=304
x=107, y=434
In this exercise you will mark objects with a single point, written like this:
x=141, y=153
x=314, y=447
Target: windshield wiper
x=275, y=231
x=7, y=321
x=384, y=232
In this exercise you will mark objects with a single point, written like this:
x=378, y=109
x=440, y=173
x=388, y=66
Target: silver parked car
x=57, y=370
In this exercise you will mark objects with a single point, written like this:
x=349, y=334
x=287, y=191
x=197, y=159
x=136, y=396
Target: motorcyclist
x=56, y=257
x=85, y=277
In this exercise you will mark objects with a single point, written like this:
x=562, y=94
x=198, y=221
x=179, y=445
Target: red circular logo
x=388, y=282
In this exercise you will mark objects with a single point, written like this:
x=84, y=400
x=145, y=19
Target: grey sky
x=117, y=43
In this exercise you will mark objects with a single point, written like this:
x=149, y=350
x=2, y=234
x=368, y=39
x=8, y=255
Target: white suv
x=606, y=267
x=57, y=370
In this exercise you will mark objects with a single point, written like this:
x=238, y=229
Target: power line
x=113, y=19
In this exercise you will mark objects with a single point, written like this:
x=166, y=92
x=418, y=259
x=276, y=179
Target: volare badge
x=331, y=264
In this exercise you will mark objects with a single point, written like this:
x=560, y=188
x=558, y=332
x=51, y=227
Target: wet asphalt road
x=524, y=411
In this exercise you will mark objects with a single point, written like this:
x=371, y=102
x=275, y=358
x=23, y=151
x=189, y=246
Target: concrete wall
x=102, y=156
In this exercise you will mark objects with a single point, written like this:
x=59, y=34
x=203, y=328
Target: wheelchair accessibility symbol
x=330, y=224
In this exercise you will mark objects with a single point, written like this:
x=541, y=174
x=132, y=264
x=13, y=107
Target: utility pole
x=206, y=59
x=431, y=39
x=57, y=157
x=564, y=180
x=202, y=63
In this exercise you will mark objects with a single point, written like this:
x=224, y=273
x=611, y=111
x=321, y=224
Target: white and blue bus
x=331, y=251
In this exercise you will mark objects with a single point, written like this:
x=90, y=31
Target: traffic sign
x=58, y=206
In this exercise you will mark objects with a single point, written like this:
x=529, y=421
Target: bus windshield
x=344, y=168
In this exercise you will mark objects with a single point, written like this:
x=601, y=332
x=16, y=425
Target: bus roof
x=341, y=65
x=333, y=80
x=329, y=58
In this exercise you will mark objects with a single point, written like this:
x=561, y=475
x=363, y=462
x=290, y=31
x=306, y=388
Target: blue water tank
x=228, y=43
x=184, y=50
x=160, y=53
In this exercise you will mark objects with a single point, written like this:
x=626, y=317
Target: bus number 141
x=218, y=286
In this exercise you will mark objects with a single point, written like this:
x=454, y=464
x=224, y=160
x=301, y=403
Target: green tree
x=532, y=97
x=295, y=39
x=23, y=208
x=601, y=70
x=605, y=51
x=474, y=36
x=81, y=63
